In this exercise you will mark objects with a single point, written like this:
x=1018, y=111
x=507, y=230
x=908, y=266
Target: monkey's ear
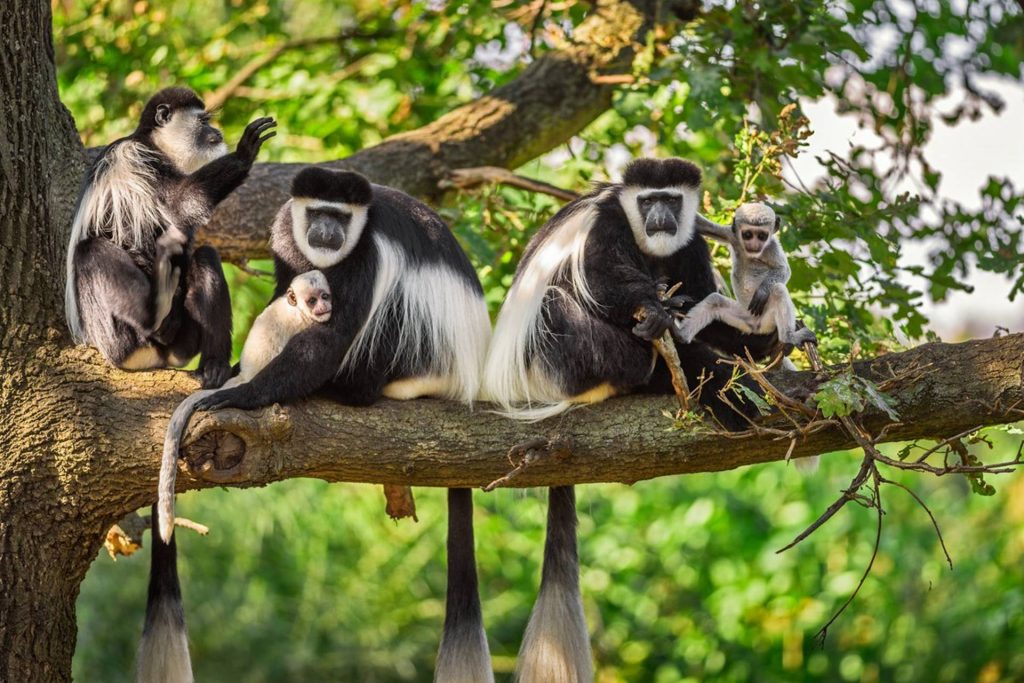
x=163, y=114
x=292, y=301
x=778, y=222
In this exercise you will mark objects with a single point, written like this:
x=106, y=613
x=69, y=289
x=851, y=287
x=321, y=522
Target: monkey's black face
x=327, y=227
x=660, y=211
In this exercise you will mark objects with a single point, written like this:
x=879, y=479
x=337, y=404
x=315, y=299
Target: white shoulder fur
x=121, y=198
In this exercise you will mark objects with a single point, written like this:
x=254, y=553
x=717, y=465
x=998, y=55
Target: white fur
x=163, y=655
x=121, y=198
x=270, y=332
x=325, y=258
x=509, y=379
x=467, y=661
x=555, y=648
x=437, y=310
x=177, y=139
x=661, y=244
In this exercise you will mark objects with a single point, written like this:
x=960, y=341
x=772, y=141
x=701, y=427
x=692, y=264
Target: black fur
x=115, y=286
x=335, y=186
x=164, y=585
x=659, y=173
x=311, y=360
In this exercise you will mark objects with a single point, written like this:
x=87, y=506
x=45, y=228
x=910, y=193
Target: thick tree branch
x=621, y=440
x=554, y=98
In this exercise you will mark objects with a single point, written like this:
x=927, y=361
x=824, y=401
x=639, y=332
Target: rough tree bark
x=79, y=442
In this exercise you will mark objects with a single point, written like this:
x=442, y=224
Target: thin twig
x=221, y=95
x=938, y=531
x=466, y=178
x=823, y=632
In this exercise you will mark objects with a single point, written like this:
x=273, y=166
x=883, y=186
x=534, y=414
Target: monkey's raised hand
x=256, y=133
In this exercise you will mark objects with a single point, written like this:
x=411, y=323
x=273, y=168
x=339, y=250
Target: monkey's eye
x=761, y=235
x=747, y=234
x=325, y=296
x=311, y=301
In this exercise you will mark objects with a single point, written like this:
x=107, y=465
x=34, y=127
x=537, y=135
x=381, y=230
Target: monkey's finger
x=272, y=134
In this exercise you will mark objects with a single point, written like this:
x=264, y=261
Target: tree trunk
x=47, y=531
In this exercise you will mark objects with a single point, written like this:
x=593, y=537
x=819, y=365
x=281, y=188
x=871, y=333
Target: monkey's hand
x=675, y=303
x=256, y=133
x=759, y=302
x=654, y=319
x=235, y=397
x=800, y=337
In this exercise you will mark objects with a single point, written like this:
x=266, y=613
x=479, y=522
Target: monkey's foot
x=213, y=374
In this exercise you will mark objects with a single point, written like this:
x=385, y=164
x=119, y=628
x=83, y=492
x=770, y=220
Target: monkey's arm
x=307, y=362
x=195, y=196
x=763, y=294
x=716, y=231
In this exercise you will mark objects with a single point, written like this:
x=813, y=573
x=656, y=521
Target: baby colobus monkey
x=163, y=655
x=135, y=288
x=760, y=272
x=306, y=303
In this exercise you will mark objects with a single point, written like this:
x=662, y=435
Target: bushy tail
x=163, y=652
x=463, y=656
x=556, y=647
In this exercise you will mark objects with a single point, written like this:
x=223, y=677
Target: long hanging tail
x=163, y=652
x=556, y=647
x=463, y=656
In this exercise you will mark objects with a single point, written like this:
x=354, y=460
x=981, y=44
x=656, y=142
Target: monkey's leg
x=120, y=305
x=207, y=329
x=781, y=309
x=713, y=307
x=591, y=357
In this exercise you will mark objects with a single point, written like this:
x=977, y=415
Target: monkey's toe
x=213, y=374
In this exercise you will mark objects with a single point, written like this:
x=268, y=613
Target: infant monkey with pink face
x=760, y=272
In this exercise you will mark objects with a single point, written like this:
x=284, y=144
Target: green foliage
x=308, y=581
x=847, y=393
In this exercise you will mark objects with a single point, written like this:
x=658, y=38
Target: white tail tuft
x=556, y=648
x=163, y=655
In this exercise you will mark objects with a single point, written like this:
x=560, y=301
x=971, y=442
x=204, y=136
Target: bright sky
x=967, y=155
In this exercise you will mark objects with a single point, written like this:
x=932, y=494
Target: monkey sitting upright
x=760, y=272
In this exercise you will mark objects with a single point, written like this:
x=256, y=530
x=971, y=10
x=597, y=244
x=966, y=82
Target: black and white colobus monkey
x=566, y=335
x=759, y=275
x=135, y=289
x=409, y=320
x=163, y=655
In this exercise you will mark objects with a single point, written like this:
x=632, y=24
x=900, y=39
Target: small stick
x=666, y=348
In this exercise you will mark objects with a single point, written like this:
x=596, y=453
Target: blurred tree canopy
x=680, y=577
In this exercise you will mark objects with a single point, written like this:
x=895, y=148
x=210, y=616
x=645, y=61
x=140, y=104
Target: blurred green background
x=305, y=581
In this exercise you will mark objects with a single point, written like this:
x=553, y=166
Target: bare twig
x=823, y=632
x=218, y=97
x=523, y=455
x=466, y=178
x=938, y=531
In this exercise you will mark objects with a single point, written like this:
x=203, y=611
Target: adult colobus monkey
x=567, y=335
x=135, y=289
x=409, y=320
x=163, y=655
